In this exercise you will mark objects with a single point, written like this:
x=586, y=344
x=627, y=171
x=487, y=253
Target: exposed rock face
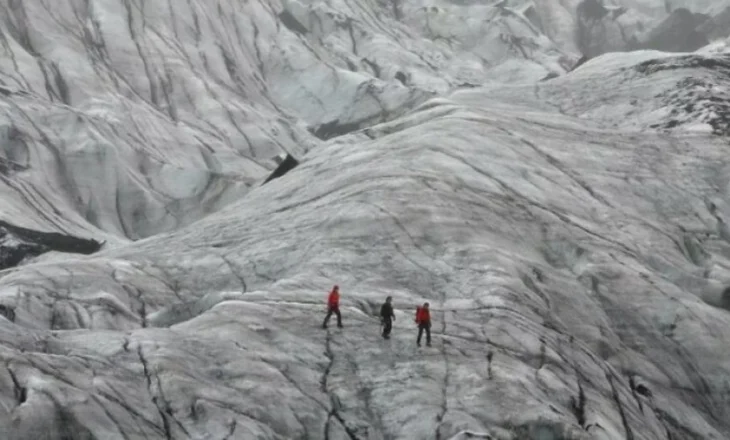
x=570, y=234
x=718, y=26
x=605, y=26
x=681, y=31
x=598, y=31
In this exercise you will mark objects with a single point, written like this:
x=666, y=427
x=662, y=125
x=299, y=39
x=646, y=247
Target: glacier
x=182, y=183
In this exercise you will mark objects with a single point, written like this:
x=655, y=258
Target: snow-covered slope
x=576, y=261
x=570, y=233
x=123, y=119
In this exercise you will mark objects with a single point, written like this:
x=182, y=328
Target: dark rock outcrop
x=717, y=26
x=680, y=32
x=597, y=30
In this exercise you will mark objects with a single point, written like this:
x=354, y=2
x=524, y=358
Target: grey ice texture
x=555, y=187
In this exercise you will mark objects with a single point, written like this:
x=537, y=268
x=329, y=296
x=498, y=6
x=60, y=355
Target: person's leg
x=428, y=335
x=420, y=333
x=327, y=318
x=339, y=317
x=387, y=327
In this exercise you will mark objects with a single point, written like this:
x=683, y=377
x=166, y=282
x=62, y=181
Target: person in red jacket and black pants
x=423, y=319
x=333, y=306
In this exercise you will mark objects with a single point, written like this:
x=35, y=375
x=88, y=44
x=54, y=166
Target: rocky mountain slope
x=568, y=225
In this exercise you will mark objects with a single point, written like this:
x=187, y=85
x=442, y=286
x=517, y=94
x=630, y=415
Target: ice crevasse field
x=183, y=182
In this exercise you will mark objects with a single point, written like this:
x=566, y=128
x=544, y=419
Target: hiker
x=387, y=317
x=333, y=306
x=423, y=319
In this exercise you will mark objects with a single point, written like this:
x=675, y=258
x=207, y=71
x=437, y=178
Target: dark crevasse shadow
x=18, y=243
x=286, y=165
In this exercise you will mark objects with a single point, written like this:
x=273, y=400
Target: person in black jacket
x=387, y=317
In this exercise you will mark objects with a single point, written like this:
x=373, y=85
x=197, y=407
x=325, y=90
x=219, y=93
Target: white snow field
x=568, y=226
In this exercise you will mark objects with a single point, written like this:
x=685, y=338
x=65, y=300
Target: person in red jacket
x=423, y=319
x=333, y=306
